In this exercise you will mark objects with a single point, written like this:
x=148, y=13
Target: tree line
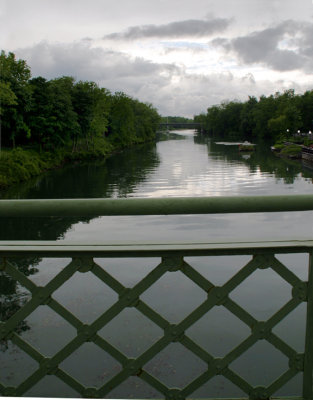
x=61, y=112
x=269, y=117
x=175, y=120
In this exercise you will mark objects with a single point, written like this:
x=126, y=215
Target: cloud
x=85, y=62
x=184, y=46
x=113, y=70
x=284, y=47
x=177, y=29
x=168, y=87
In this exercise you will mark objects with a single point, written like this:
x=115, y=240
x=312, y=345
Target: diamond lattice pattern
x=130, y=297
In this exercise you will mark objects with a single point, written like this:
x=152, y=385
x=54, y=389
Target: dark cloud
x=178, y=29
x=284, y=47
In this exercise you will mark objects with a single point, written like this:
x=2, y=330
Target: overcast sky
x=180, y=55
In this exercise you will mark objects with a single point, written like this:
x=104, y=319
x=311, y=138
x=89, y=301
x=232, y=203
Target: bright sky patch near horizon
x=180, y=55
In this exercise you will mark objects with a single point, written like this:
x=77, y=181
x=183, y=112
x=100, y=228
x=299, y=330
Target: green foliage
x=63, y=121
x=291, y=150
x=308, y=142
x=60, y=112
x=122, y=119
x=14, y=78
x=7, y=96
x=147, y=121
x=278, y=125
x=64, y=124
x=201, y=119
x=279, y=146
x=16, y=72
x=275, y=117
x=100, y=114
x=19, y=165
x=92, y=106
x=40, y=116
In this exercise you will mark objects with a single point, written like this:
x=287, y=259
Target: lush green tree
x=100, y=113
x=247, y=120
x=267, y=118
x=122, y=119
x=40, y=118
x=264, y=111
x=58, y=112
x=63, y=119
x=146, y=120
x=14, y=78
x=305, y=105
x=92, y=106
x=288, y=107
x=278, y=127
x=230, y=118
x=7, y=96
x=214, y=126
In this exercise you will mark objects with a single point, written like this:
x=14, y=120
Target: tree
x=39, y=116
x=7, y=96
x=63, y=122
x=100, y=113
x=122, y=119
x=278, y=126
x=91, y=105
x=147, y=120
x=14, y=78
x=247, y=120
x=305, y=105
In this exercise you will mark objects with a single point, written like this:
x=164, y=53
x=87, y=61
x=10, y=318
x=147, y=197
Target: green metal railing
x=172, y=259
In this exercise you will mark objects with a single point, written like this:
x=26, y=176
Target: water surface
x=187, y=166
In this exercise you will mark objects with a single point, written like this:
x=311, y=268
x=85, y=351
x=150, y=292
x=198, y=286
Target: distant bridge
x=183, y=125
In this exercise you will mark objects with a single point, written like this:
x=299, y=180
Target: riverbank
x=293, y=149
x=21, y=164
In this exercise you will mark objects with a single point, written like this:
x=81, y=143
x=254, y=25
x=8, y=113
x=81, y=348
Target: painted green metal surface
x=262, y=256
x=130, y=297
x=308, y=361
x=160, y=206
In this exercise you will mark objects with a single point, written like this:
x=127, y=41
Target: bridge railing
x=172, y=258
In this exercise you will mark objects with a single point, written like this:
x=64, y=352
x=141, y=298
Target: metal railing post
x=308, y=352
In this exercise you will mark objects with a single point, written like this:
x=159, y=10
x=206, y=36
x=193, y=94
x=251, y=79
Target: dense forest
x=272, y=118
x=61, y=112
x=46, y=123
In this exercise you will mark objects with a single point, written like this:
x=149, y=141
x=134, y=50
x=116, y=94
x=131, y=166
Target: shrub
x=291, y=151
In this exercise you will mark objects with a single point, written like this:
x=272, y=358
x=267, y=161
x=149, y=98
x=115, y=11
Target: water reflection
x=118, y=176
x=264, y=161
x=191, y=166
x=12, y=295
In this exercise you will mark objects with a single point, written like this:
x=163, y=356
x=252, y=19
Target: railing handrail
x=154, y=206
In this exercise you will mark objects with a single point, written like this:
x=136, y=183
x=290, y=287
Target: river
x=184, y=165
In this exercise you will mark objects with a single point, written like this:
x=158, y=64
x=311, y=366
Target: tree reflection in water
x=12, y=295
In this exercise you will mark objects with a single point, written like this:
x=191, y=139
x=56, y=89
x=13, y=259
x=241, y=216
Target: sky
x=182, y=56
